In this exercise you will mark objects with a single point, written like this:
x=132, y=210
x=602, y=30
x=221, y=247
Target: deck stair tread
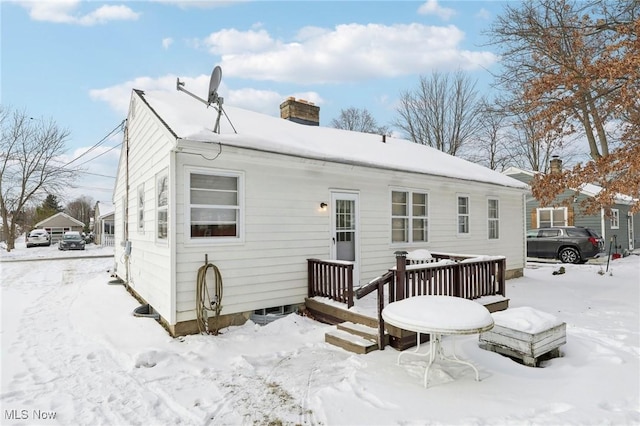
x=369, y=333
x=350, y=342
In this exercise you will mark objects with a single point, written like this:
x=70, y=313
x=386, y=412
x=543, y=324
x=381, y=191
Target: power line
x=99, y=155
x=119, y=127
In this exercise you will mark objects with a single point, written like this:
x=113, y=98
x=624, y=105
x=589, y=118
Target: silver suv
x=570, y=244
x=38, y=237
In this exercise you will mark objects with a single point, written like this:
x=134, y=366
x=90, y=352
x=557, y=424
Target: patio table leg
x=434, y=349
x=458, y=360
x=415, y=351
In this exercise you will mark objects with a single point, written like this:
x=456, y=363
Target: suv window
x=577, y=232
x=546, y=233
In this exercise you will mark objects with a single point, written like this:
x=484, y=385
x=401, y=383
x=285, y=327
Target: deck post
x=502, y=267
x=401, y=268
x=380, y=319
x=349, y=286
x=310, y=275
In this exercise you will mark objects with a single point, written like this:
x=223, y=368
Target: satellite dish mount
x=212, y=96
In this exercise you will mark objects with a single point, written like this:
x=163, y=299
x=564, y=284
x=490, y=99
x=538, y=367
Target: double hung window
x=493, y=215
x=409, y=217
x=214, y=205
x=463, y=215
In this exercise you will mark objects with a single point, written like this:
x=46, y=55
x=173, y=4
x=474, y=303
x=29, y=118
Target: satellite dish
x=214, y=83
x=212, y=96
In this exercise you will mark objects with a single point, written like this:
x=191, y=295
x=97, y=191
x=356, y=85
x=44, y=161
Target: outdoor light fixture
x=323, y=206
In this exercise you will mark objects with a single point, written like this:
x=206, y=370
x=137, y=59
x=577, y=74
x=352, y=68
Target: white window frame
x=615, y=219
x=239, y=237
x=140, y=209
x=410, y=217
x=466, y=215
x=551, y=210
x=493, y=220
x=162, y=182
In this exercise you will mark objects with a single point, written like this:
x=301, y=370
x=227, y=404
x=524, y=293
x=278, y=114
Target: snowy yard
x=73, y=354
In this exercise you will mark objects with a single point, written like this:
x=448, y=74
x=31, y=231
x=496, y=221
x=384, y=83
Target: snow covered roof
x=104, y=209
x=588, y=189
x=59, y=219
x=191, y=120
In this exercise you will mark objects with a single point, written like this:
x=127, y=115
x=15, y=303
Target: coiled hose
x=204, y=302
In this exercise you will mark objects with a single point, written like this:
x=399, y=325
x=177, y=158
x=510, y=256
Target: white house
x=258, y=203
x=103, y=228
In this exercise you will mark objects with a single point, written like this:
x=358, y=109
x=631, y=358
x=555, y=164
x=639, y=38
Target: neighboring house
x=58, y=224
x=104, y=227
x=260, y=202
x=620, y=225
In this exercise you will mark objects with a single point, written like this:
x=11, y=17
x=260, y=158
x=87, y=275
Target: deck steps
x=354, y=337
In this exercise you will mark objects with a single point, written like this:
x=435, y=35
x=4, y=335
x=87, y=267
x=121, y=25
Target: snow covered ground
x=73, y=354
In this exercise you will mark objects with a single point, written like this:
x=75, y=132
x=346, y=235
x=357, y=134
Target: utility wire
x=119, y=127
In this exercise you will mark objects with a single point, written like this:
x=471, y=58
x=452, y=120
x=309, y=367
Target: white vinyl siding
x=213, y=205
x=549, y=217
x=493, y=217
x=463, y=215
x=409, y=216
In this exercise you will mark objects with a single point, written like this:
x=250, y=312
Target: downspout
x=173, y=294
x=126, y=205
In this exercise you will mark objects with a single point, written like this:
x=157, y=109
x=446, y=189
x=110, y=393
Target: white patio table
x=437, y=316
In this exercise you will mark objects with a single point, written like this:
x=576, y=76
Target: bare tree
x=577, y=64
x=491, y=146
x=29, y=166
x=441, y=112
x=82, y=209
x=359, y=120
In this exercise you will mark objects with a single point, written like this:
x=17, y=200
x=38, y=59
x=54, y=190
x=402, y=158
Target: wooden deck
x=332, y=298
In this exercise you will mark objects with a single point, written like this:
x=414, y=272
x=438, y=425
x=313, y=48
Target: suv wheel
x=569, y=255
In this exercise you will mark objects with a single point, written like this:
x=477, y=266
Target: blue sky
x=77, y=62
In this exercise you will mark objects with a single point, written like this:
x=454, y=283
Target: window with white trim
x=409, y=216
x=141, y=207
x=213, y=205
x=463, y=215
x=493, y=217
x=615, y=219
x=162, y=205
x=549, y=217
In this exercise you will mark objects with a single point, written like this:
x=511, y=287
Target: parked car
x=71, y=240
x=38, y=237
x=570, y=244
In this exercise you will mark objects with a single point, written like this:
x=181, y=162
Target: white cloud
x=65, y=12
x=232, y=41
x=431, y=7
x=483, y=14
x=167, y=42
x=263, y=101
x=350, y=52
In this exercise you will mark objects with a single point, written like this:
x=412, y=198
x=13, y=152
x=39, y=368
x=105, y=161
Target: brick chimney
x=300, y=111
x=555, y=165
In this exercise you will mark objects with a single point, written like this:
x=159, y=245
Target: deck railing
x=446, y=274
x=465, y=276
x=332, y=279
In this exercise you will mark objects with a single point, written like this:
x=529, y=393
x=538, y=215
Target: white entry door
x=344, y=229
